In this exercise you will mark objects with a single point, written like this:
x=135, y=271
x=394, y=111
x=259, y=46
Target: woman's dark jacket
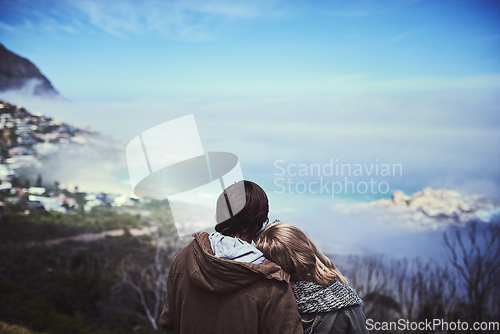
x=328, y=309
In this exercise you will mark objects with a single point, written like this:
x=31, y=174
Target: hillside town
x=25, y=139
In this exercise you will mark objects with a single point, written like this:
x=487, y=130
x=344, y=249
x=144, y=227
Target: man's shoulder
x=181, y=255
x=188, y=250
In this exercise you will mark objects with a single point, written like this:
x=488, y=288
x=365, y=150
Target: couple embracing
x=222, y=283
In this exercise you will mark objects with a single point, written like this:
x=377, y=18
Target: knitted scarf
x=313, y=297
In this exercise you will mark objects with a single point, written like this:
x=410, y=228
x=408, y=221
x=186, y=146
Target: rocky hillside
x=19, y=73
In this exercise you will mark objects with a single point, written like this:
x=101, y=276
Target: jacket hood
x=220, y=275
x=231, y=248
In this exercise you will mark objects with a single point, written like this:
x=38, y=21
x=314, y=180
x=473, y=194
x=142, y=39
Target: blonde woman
x=325, y=301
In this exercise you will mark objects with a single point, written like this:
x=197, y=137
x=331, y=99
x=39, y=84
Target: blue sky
x=407, y=82
x=410, y=82
x=133, y=49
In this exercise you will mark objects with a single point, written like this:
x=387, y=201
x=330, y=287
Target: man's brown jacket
x=206, y=294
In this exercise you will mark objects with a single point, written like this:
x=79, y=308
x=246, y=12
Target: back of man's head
x=242, y=208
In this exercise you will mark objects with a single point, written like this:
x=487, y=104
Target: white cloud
x=442, y=139
x=174, y=19
x=97, y=166
x=6, y=27
x=234, y=9
x=335, y=85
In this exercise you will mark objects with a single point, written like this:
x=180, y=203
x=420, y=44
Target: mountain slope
x=17, y=73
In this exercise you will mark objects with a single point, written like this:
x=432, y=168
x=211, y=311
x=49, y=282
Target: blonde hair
x=294, y=251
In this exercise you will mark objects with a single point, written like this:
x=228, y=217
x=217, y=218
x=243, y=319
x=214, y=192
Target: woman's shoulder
x=349, y=319
x=316, y=298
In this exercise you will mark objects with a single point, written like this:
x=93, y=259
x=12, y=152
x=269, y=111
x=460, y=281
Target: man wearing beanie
x=220, y=283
